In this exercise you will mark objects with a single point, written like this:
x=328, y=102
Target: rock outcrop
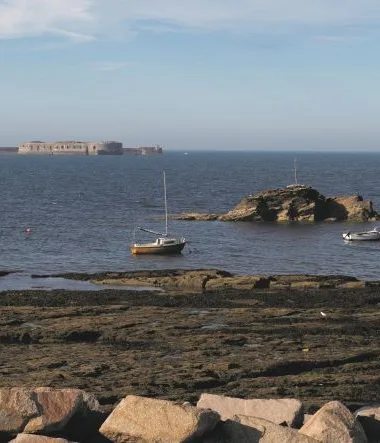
x=149, y=420
x=294, y=203
x=44, y=410
x=334, y=423
x=201, y=280
x=277, y=411
x=246, y=429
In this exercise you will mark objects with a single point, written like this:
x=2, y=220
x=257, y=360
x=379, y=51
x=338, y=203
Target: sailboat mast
x=166, y=207
x=295, y=171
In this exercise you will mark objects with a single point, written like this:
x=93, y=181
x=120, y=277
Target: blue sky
x=210, y=74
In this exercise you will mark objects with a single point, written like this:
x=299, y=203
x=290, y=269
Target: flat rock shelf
x=309, y=340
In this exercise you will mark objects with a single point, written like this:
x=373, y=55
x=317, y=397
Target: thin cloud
x=335, y=39
x=89, y=19
x=74, y=36
x=111, y=66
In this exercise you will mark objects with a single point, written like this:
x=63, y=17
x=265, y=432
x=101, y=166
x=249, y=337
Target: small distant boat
x=374, y=234
x=164, y=244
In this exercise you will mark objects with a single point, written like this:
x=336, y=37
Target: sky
x=199, y=74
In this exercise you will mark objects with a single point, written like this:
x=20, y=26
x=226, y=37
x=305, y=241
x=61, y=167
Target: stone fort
x=72, y=148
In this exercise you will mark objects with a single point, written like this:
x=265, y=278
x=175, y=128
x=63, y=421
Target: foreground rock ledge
x=140, y=419
x=176, y=345
x=293, y=203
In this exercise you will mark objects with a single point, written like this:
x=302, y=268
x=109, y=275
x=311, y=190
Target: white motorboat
x=374, y=234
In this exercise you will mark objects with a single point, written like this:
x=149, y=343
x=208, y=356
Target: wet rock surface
x=247, y=341
x=178, y=281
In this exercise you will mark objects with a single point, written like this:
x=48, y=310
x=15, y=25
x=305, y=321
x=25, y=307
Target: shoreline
x=247, y=342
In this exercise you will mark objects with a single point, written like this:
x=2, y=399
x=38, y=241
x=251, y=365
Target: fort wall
x=71, y=148
x=144, y=150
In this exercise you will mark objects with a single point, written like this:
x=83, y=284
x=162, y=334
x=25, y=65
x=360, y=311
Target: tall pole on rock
x=166, y=206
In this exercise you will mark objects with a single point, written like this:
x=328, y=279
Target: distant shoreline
x=9, y=150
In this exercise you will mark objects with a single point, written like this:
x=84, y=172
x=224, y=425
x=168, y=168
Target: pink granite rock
x=334, y=423
x=141, y=419
x=272, y=432
x=279, y=411
x=41, y=410
x=244, y=429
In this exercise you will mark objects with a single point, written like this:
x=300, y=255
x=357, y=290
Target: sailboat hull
x=153, y=248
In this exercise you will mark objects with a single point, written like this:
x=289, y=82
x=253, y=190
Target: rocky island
x=293, y=203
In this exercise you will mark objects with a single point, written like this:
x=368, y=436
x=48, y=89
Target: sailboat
x=164, y=244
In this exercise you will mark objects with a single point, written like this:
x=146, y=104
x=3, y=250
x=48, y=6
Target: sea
x=62, y=214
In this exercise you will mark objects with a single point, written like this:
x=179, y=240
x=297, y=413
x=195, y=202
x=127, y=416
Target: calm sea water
x=82, y=212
